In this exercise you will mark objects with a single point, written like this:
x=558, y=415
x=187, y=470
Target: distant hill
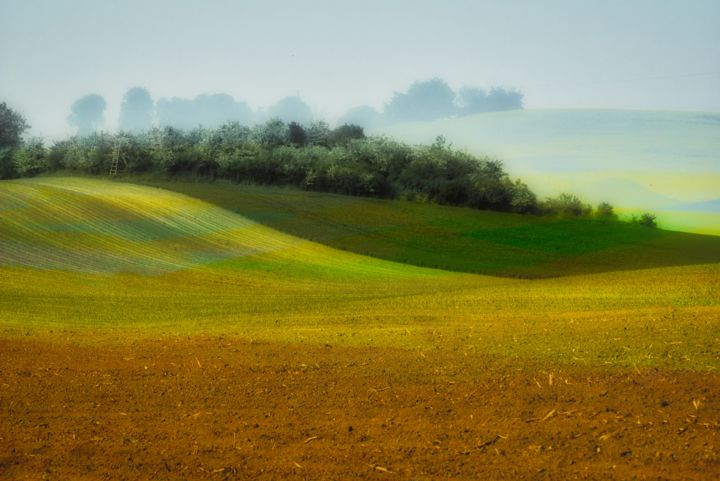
x=652, y=160
x=708, y=206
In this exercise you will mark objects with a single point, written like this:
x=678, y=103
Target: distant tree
x=272, y=133
x=232, y=134
x=12, y=126
x=87, y=114
x=523, y=200
x=31, y=158
x=501, y=99
x=472, y=100
x=292, y=109
x=429, y=100
x=343, y=134
x=646, y=219
x=605, y=211
x=137, y=110
x=177, y=112
x=296, y=134
x=57, y=153
x=213, y=110
x=566, y=205
x=318, y=133
x=364, y=116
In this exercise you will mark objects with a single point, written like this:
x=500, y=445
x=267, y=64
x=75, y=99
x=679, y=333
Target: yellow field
x=92, y=261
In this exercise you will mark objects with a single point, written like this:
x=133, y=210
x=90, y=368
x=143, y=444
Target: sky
x=336, y=54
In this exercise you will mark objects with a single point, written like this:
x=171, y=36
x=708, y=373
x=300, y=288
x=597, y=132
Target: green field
x=91, y=260
x=650, y=160
x=458, y=239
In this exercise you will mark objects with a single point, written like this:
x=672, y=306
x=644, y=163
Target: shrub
x=566, y=205
x=605, y=211
x=646, y=219
x=344, y=134
x=31, y=158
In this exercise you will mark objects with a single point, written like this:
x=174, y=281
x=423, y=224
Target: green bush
x=31, y=158
x=646, y=219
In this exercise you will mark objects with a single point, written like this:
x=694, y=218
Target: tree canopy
x=87, y=114
x=137, y=110
x=12, y=126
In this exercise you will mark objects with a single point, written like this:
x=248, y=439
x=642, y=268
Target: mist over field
x=339, y=56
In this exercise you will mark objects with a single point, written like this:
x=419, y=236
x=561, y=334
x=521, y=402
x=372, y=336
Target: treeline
x=423, y=100
x=341, y=160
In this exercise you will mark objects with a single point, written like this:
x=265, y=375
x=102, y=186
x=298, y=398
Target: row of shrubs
x=317, y=158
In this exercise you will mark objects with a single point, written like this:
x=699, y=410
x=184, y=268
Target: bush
x=296, y=134
x=344, y=134
x=605, y=211
x=31, y=158
x=565, y=205
x=646, y=219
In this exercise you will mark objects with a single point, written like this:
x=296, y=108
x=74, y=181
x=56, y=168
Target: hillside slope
x=454, y=238
x=92, y=260
x=97, y=226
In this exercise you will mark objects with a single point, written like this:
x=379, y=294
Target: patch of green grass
x=454, y=238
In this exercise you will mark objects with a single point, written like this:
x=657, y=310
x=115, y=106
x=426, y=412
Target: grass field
x=458, y=239
x=142, y=260
x=150, y=334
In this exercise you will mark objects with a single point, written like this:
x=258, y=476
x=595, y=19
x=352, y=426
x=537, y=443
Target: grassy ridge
x=261, y=283
x=458, y=239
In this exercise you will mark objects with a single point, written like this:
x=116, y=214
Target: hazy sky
x=640, y=54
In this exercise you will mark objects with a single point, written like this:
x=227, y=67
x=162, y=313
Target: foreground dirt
x=223, y=409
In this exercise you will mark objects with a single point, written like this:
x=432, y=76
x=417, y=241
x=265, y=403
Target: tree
x=429, y=100
x=272, y=133
x=318, y=133
x=296, y=134
x=213, y=110
x=646, y=219
x=31, y=158
x=292, y=109
x=176, y=112
x=605, y=211
x=566, y=205
x=12, y=126
x=87, y=113
x=343, y=134
x=501, y=99
x=523, y=199
x=472, y=100
x=137, y=110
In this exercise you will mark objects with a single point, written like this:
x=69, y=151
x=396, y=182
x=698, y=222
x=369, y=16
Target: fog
x=201, y=62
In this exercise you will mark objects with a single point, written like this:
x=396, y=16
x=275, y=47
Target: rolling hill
x=96, y=260
x=459, y=239
x=159, y=335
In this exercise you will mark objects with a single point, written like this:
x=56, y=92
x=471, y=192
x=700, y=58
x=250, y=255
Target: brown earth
x=225, y=409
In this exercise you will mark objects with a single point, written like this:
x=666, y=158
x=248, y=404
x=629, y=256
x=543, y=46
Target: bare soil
x=227, y=409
